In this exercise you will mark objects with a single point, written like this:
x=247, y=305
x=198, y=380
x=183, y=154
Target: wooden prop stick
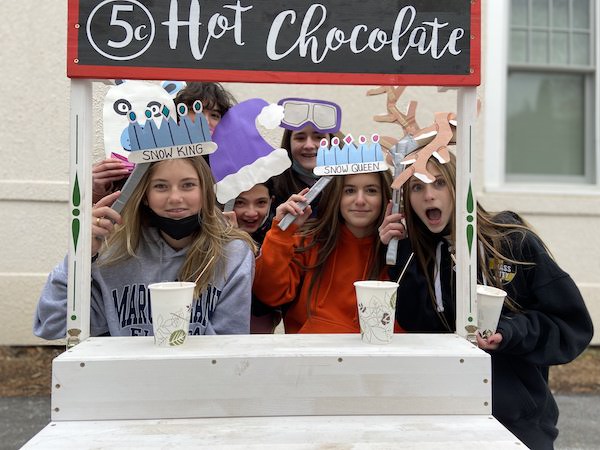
x=228, y=207
x=129, y=186
x=405, y=267
x=398, y=151
x=312, y=193
x=204, y=270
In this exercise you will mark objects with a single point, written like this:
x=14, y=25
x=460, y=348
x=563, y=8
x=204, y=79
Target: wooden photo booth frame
x=421, y=42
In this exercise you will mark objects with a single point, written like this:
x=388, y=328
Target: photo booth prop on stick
x=435, y=138
x=244, y=158
x=347, y=160
x=169, y=139
x=137, y=96
x=323, y=116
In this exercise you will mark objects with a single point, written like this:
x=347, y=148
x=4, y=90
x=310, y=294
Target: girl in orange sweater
x=310, y=268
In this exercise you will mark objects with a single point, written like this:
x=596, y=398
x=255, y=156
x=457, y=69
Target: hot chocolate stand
x=272, y=391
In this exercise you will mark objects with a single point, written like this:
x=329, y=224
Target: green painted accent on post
x=75, y=226
x=470, y=202
x=76, y=192
x=470, y=319
x=75, y=212
x=470, y=234
x=470, y=218
x=73, y=317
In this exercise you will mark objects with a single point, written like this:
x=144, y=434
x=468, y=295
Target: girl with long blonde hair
x=170, y=229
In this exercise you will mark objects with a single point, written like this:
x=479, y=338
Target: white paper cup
x=170, y=303
x=376, y=310
x=489, y=306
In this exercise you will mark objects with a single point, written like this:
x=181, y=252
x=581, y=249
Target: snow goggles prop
x=323, y=116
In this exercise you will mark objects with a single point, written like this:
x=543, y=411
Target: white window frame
x=496, y=16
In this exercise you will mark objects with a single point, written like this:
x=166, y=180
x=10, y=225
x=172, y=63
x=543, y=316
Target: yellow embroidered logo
x=507, y=271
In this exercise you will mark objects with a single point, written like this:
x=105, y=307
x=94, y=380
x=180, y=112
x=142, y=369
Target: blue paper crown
x=333, y=160
x=170, y=139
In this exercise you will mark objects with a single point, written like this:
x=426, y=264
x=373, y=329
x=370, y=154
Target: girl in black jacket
x=544, y=320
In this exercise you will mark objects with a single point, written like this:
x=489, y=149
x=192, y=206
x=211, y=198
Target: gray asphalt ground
x=21, y=418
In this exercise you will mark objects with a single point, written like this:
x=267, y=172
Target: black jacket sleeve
x=553, y=325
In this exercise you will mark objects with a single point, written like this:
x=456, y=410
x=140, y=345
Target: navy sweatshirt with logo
x=552, y=327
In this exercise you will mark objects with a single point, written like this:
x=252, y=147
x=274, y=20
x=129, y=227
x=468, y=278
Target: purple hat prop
x=244, y=158
x=323, y=116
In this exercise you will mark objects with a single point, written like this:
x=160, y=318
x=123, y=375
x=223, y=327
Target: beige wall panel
x=18, y=301
x=35, y=236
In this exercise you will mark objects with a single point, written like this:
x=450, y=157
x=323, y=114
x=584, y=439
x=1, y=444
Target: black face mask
x=175, y=228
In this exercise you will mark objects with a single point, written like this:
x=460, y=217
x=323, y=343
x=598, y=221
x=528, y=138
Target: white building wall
x=34, y=153
x=34, y=170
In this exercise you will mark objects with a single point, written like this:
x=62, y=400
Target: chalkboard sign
x=424, y=42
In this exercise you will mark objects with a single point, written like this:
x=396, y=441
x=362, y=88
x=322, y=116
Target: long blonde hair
x=498, y=239
x=207, y=243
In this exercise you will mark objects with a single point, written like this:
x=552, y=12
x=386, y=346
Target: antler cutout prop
x=438, y=137
x=406, y=121
x=432, y=140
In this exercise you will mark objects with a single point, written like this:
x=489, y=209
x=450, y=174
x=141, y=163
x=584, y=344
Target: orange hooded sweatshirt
x=281, y=281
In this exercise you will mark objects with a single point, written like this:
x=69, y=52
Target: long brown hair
x=324, y=230
x=207, y=243
x=498, y=239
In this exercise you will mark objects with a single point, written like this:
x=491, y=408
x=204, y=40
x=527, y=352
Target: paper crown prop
x=323, y=116
x=137, y=96
x=244, y=158
x=350, y=159
x=169, y=139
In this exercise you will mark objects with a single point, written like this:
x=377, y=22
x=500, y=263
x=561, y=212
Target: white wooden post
x=80, y=203
x=466, y=216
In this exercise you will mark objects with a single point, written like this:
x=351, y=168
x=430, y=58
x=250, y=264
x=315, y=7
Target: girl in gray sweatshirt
x=170, y=229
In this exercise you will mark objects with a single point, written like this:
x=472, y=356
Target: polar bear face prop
x=136, y=96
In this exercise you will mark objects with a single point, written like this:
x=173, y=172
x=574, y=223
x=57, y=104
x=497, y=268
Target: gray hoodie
x=119, y=295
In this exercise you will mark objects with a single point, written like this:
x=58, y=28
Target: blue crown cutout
x=350, y=159
x=170, y=139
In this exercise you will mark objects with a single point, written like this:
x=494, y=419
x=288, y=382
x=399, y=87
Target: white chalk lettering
x=217, y=26
x=423, y=37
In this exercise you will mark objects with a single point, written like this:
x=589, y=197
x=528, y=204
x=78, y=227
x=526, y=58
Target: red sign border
x=76, y=70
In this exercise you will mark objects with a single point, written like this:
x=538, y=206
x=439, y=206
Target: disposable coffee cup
x=489, y=307
x=376, y=302
x=170, y=304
